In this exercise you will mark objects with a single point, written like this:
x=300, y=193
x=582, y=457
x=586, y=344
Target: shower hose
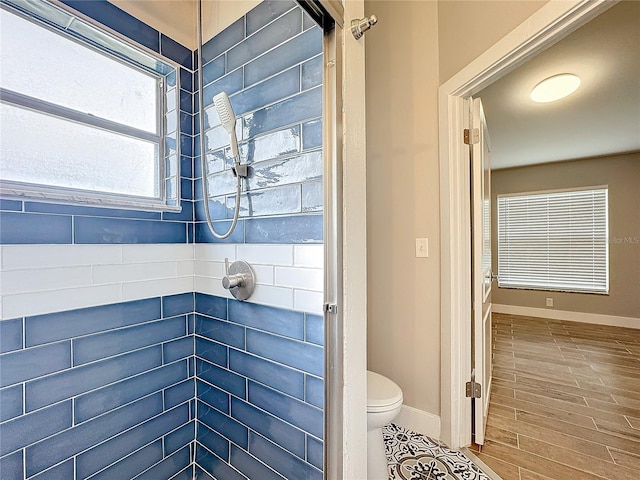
x=203, y=160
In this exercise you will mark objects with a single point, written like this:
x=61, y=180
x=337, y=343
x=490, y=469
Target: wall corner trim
x=583, y=317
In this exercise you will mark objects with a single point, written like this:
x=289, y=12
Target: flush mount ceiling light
x=554, y=88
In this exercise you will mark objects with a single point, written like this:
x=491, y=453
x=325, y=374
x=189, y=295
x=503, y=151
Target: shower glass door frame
x=332, y=185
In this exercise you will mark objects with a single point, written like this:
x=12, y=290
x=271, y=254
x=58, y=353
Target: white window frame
x=552, y=279
x=133, y=56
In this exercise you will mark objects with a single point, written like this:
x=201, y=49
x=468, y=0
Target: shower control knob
x=239, y=279
x=232, y=281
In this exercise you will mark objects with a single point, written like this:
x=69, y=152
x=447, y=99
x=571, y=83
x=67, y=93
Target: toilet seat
x=382, y=393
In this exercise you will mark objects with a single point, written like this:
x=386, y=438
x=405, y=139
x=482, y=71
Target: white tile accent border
x=308, y=256
x=39, y=279
x=287, y=276
x=49, y=301
x=612, y=320
x=307, y=301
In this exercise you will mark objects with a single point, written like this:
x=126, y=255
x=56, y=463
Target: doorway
x=545, y=27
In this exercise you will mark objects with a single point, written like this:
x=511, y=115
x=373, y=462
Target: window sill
x=86, y=199
x=556, y=290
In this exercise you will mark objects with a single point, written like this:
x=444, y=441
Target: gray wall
x=622, y=174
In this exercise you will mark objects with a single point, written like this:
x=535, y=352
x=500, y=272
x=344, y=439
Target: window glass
x=83, y=113
x=48, y=66
x=41, y=149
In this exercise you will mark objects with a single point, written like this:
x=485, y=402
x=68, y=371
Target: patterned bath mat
x=413, y=456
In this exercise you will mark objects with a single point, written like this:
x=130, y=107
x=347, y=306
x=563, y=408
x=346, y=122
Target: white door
x=481, y=266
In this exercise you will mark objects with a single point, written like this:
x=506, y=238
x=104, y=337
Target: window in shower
x=85, y=116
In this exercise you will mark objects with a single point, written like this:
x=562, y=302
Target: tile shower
x=121, y=355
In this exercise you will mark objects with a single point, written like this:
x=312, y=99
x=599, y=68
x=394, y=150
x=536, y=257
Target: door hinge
x=330, y=308
x=470, y=139
x=474, y=389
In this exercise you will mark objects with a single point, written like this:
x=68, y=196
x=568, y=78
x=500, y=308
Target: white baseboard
x=419, y=421
x=628, y=322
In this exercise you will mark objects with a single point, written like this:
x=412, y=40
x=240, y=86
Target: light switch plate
x=422, y=247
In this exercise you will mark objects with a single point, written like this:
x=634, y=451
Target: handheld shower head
x=225, y=111
x=228, y=120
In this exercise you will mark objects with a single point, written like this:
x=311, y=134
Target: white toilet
x=384, y=400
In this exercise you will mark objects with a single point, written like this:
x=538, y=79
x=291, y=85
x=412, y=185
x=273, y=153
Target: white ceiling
x=601, y=118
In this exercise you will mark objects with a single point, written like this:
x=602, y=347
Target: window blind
x=554, y=240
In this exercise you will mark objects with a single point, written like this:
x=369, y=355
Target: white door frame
x=354, y=252
x=552, y=22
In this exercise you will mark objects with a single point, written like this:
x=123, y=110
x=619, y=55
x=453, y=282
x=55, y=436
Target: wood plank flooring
x=565, y=401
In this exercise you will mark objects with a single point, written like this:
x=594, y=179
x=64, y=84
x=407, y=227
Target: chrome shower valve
x=239, y=279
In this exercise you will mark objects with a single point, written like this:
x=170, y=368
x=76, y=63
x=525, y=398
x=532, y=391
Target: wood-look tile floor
x=565, y=401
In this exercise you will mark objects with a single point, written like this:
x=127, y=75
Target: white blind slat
x=554, y=240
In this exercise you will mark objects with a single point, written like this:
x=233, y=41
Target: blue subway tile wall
x=270, y=65
x=92, y=388
x=177, y=466
x=289, y=466
x=10, y=402
x=176, y=52
x=35, y=228
x=250, y=467
x=109, y=389
x=10, y=205
x=22, y=365
x=282, y=378
x=10, y=335
x=46, y=390
x=104, y=399
x=70, y=442
x=213, y=465
x=212, y=396
x=222, y=378
x=41, y=329
x=133, y=464
x=11, y=466
x=270, y=426
x=300, y=229
x=109, y=452
x=62, y=470
x=257, y=377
